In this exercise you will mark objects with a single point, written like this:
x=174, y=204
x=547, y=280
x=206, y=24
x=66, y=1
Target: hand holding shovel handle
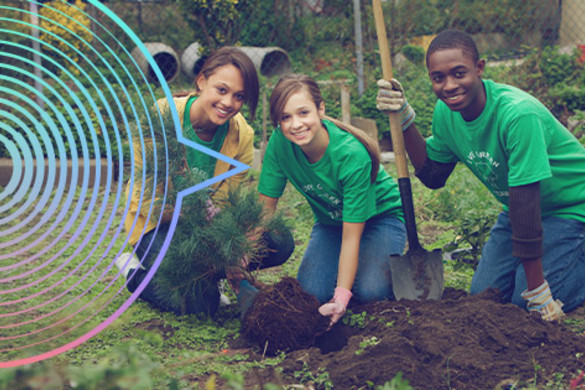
x=418, y=274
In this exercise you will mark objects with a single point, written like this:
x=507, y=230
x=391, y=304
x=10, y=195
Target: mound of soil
x=283, y=318
x=460, y=342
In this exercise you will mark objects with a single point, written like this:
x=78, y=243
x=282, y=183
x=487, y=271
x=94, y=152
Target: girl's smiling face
x=300, y=120
x=457, y=81
x=221, y=96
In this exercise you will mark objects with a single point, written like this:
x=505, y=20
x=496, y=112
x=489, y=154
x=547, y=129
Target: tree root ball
x=284, y=318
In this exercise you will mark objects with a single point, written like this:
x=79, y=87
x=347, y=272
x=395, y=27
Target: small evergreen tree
x=202, y=244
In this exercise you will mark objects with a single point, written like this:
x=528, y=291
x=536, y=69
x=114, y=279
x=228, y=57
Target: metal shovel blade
x=418, y=275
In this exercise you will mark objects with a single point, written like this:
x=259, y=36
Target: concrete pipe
x=192, y=60
x=164, y=56
x=269, y=61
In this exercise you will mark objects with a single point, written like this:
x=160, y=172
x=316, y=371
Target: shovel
x=418, y=274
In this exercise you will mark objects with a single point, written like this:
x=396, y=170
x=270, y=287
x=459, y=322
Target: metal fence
x=179, y=33
x=189, y=29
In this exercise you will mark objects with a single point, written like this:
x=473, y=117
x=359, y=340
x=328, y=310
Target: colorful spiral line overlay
x=76, y=111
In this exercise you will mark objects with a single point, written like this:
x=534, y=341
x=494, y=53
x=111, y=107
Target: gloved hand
x=211, y=210
x=246, y=295
x=336, y=307
x=234, y=276
x=540, y=299
x=391, y=98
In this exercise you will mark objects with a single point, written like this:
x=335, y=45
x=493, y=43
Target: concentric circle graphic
x=75, y=112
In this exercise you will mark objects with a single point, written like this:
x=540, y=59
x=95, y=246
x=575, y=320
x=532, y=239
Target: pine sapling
x=202, y=247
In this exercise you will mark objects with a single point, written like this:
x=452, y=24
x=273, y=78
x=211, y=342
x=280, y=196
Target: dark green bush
x=555, y=78
x=414, y=54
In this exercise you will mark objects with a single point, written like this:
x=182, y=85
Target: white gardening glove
x=540, y=299
x=336, y=307
x=127, y=262
x=391, y=99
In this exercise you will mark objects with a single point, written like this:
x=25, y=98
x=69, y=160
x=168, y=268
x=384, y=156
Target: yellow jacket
x=238, y=145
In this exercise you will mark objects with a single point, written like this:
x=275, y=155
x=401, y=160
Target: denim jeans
x=207, y=299
x=382, y=238
x=563, y=262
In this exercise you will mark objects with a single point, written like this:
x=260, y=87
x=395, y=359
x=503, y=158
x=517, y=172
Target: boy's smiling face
x=457, y=81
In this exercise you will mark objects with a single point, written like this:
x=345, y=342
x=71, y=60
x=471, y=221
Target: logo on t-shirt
x=485, y=167
x=331, y=202
x=200, y=173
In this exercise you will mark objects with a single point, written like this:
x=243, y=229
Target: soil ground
x=459, y=342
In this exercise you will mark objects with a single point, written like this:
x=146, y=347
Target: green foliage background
x=328, y=52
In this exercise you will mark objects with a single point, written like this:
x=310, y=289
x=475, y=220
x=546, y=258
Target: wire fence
x=180, y=33
x=269, y=30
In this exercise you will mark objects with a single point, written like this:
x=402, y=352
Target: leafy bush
x=266, y=25
x=579, y=129
x=415, y=17
x=471, y=208
x=243, y=22
x=214, y=22
x=125, y=368
x=427, y=17
x=556, y=78
x=66, y=28
x=414, y=54
x=418, y=91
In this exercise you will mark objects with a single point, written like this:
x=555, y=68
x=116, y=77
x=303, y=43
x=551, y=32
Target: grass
x=145, y=348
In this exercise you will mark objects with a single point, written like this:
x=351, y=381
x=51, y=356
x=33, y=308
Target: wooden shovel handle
x=395, y=125
x=397, y=137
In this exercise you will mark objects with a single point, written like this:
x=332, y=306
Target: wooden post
x=345, y=107
x=34, y=15
x=264, y=118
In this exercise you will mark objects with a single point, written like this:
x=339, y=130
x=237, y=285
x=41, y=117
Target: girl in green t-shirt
x=356, y=204
x=209, y=116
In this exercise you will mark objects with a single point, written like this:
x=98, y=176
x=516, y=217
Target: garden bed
x=460, y=342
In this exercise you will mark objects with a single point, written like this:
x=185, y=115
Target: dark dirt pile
x=460, y=342
x=283, y=318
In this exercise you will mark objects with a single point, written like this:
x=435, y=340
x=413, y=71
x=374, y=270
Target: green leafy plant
x=369, y=342
x=397, y=383
x=357, y=320
x=474, y=228
x=320, y=379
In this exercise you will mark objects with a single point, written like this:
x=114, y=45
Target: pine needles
x=203, y=247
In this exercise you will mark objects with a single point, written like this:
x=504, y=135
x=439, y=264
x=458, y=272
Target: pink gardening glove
x=211, y=210
x=336, y=307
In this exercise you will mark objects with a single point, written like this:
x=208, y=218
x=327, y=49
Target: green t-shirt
x=338, y=186
x=196, y=160
x=515, y=141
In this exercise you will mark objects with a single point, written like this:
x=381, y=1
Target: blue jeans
x=563, y=262
x=207, y=299
x=382, y=237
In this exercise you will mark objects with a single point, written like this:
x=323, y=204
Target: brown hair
x=234, y=56
x=293, y=83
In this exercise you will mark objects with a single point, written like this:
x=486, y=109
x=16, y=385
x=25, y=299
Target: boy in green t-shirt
x=529, y=161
